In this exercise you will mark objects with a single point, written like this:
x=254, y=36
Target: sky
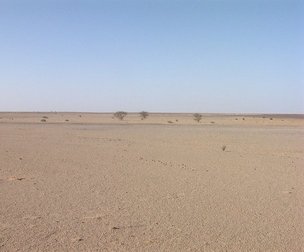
x=209, y=56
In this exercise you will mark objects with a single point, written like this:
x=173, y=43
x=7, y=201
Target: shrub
x=43, y=120
x=197, y=117
x=143, y=115
x=120, y=115
x=170, y=122
x=45, y=117
x=224, y=147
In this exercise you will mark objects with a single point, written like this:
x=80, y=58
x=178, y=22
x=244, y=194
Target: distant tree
x=120, y=115
x=197, y=117
x=143, y=115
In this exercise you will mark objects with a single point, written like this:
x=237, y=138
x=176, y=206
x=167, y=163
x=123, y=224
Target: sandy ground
x=94, y=183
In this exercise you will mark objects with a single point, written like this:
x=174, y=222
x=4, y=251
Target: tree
x=120, y=115
x=143, y=115
x=197, y=117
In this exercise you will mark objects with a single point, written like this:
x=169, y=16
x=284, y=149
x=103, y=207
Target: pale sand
x=95, y=183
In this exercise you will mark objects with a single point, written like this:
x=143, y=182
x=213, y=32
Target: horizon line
x=157, y=112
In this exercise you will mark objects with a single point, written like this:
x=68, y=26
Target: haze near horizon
x=161, y=56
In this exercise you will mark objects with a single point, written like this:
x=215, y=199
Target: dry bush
x=170, y=122
x=120, y=115
x=197, y=117
x=143, y=115
x=43, y=120
x=224, y=147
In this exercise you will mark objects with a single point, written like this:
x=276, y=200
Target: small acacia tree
x=143, y=115
x=120, y=115
x=197, y=117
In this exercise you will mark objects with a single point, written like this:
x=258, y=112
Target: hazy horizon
x=152, y=112
x=162, y=56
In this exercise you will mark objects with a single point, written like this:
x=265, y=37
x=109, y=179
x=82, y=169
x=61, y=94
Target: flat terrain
x=87, y=182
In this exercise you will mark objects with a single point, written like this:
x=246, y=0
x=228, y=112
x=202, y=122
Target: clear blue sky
x=155, y=55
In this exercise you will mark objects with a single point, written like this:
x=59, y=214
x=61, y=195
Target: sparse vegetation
x=143, y=115
x=271, y=119
x=176, y=120
x=120, y=115
x=197, y=117
x=224, y=147
x=170, y=122
x=45, y=117
x=43, y=120
x=66, y=120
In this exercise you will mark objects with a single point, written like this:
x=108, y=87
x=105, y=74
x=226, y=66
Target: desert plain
x=91, y=182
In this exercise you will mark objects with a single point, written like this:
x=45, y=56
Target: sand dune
x=84, y=182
